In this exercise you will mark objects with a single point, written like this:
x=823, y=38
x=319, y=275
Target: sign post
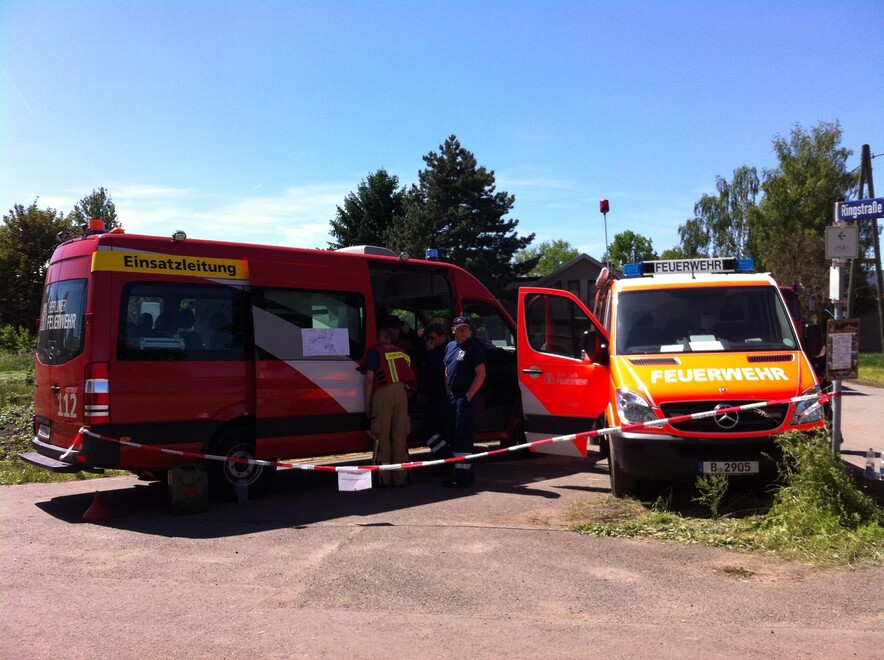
x=859, y=209
x=842, y=241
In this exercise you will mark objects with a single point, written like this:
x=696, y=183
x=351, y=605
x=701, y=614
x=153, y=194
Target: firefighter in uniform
x=389, y=380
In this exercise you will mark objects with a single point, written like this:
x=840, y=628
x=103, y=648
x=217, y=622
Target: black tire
x=223, y=477
x=622, y=484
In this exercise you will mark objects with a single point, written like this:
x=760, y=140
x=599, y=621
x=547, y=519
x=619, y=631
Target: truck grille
x=749, y=421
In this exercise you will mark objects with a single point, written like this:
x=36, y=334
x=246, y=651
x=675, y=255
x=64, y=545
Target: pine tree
x=455, y=208
x=368, y=213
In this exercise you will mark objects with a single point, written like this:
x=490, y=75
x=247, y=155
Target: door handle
x=55, y=388
x=534, y=371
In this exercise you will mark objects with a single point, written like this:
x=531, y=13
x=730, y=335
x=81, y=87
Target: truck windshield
x=725, y=318
x=60, y=335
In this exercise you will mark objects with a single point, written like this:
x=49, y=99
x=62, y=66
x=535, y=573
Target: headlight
x=807, y=412
x=633, y=408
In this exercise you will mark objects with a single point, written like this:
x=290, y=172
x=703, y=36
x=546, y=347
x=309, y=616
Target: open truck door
x=563, y=368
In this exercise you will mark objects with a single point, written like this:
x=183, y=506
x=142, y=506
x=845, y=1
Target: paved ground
x=862, y=428
x=419, y=572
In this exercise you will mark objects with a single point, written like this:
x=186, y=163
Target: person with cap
x=464, y=376
x=389, y=380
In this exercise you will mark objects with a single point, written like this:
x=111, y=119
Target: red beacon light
x=604, y=207
x=96, y=226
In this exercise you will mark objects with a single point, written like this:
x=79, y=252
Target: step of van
x=48, y=463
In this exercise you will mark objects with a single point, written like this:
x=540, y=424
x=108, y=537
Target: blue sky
x=252, y=121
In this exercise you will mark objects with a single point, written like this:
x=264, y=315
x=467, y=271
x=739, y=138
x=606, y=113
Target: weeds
x=816, y=513
x=713, y=488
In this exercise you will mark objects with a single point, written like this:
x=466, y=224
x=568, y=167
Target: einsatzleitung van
x=234, y=350
x=670, y=339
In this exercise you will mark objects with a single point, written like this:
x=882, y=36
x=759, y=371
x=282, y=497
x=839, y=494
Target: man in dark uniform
x=464, y=375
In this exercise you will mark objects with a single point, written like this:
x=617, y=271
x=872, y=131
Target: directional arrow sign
x=842, y=242
x=859, y=209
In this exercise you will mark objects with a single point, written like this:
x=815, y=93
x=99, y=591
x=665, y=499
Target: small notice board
x=842, y=349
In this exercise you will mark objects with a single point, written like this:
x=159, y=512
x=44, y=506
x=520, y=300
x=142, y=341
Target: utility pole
x=865, y=179
x=604, y=207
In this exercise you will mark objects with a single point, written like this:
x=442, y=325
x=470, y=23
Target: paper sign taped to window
x=325, y=341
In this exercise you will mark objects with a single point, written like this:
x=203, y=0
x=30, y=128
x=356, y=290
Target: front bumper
x=672, y=458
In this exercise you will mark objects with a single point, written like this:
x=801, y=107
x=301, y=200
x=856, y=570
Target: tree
x=97, y=205
x=28, y=237
x=454, y=207
x=547, y=256
x=788, y=226
x=368, y=213
x=720, y=226
x=629, y=247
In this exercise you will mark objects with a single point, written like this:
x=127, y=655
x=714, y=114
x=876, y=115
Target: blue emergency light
x=689, y=266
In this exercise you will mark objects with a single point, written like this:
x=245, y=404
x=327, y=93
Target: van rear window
x=60, y=337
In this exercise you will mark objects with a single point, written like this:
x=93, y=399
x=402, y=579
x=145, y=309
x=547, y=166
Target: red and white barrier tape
x=574, y=437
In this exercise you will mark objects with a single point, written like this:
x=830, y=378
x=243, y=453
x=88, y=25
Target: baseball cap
x=461, y=320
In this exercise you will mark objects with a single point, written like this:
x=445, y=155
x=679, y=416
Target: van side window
x=488, y=326
x=556, y=325
x=170, y=321
x=296, y=324
x=62, y=313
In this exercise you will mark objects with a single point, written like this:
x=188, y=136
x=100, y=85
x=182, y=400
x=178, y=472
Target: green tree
x=629, y=247
x=96, y=205
x=455, y=208
x=28, y=237
x=720, y=226
x=368, y=213
x=547, y=256
x=694, y=240
x=788, y=226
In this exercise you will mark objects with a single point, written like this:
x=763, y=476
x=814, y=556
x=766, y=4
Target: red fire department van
x=672, y=338
x=234, y=350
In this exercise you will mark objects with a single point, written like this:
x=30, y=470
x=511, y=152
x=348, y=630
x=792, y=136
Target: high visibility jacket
x=394, y=366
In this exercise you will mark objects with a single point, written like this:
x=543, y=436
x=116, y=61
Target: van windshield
x=62, y=313
x=725, y=318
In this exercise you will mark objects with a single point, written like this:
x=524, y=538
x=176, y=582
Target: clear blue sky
x=253, y=120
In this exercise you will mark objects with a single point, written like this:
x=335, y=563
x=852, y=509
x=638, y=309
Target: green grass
x=815, y=514
x=17, y=365
x=871, y=369
x=16, y=423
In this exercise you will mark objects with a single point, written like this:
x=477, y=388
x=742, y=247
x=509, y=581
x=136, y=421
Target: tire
x=223, y=477
x=622, y=484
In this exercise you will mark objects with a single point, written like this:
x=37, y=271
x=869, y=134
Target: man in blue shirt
x=464, y=376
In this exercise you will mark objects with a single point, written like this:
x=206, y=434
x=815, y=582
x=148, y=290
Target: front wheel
x=622, y=484
x=225, y=477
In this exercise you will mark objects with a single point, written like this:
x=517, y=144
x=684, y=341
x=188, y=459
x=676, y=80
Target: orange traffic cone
x=97, y=511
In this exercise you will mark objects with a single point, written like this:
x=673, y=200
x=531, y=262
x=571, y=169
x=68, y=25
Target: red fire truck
x=235, y=350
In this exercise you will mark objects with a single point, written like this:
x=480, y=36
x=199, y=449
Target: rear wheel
x=224, y=477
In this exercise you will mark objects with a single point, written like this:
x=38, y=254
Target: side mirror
x=593, y=349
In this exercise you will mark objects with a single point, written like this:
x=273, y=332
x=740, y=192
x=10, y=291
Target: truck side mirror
x=593, y=349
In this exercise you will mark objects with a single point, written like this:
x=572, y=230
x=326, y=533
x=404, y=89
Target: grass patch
x=16, y=365
x=871, y=369
x=814, y=514
x=16, y=424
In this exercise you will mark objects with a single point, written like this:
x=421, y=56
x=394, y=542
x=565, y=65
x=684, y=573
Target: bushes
x=16, y=339
x=816, y=513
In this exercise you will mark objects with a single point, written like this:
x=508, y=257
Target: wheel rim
x=247, y=472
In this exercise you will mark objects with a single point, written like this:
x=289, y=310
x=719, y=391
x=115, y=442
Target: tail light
x=96, y=406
